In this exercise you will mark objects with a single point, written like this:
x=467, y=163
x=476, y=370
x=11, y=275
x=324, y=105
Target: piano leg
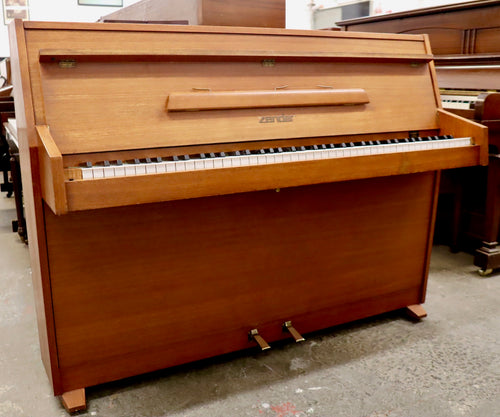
x=487, y=258
x=74, y=400
x=416, y=311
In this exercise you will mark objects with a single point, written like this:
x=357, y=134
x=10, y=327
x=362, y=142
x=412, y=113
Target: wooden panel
x=118, y=121
x=487, y=40
x=213, y=268
x=51, y=172
x=263, y=13
x=28, y=150
x=443, y=40
x=458, y=77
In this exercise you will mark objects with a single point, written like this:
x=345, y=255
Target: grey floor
x=446, y=365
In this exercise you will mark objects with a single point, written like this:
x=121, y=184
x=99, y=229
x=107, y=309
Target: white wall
x=298, y=15
x=59, y=11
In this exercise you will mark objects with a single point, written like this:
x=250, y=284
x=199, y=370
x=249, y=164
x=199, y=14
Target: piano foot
x=74, y=400
x=416, y=312
x=487, y=258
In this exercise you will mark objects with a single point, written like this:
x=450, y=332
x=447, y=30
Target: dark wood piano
x=465, y=39
x=255, y=13
x=259, y=184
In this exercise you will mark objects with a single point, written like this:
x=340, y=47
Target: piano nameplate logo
x=277, y=119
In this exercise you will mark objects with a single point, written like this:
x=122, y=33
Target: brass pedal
x=287, y=327
x=256, y=337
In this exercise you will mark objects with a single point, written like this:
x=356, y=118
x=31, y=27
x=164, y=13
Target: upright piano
x=193, y=191
x=465, y=40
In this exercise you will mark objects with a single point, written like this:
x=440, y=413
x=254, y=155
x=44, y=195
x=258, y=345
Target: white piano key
x=189, y=165
x=261, y=159
x=199, y=164
x=253, y=160
x=270, y=158
x=87, y=173
x=129, y=169
x=109, y=172
x=245, y=161
x=140, y=169
x=209, y=164
x=235, y=161
x=161, y=167
x=150, y=168
x=218, y=162
x=119, y=170
x=98, y=172
x=180, y=166
x=170, y=166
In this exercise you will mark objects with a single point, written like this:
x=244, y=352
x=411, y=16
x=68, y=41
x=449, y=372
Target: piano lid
x=102, y=87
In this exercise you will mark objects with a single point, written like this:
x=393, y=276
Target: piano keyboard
x=459, y=102
x=203, y=161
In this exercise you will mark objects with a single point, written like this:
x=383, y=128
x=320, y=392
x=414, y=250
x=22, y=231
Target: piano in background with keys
x=464, y=38
x=264, y=184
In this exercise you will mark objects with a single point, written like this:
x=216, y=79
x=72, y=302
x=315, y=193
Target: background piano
x=465, y=40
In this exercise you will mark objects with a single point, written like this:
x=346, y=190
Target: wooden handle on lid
x=223, y=100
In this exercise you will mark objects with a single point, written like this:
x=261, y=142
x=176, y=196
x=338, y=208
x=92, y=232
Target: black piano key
x=377, y=142
x=370, y=142
x=315, y=147
x=222, y=154
x=175, y=158
x=119, y=162
x=202, y=156
x=147, y=160
x=185, y=157
x=351, y=144
x=157, y=159
x=237, y=153
x=279, y=150
x=106, y=163
x=343, y=145
x=270, y=150
x=247, y=152
x=137, y=161
x=87, y=164
x=293, y=149
x=302, y=148
x=211, y=155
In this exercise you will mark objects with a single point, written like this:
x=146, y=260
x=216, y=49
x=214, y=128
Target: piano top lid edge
x=236, y=30
x=52, y=55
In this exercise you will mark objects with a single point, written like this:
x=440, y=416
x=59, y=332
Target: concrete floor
x=446, y=365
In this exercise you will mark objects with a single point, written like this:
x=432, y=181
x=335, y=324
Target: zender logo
x=277, y=119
